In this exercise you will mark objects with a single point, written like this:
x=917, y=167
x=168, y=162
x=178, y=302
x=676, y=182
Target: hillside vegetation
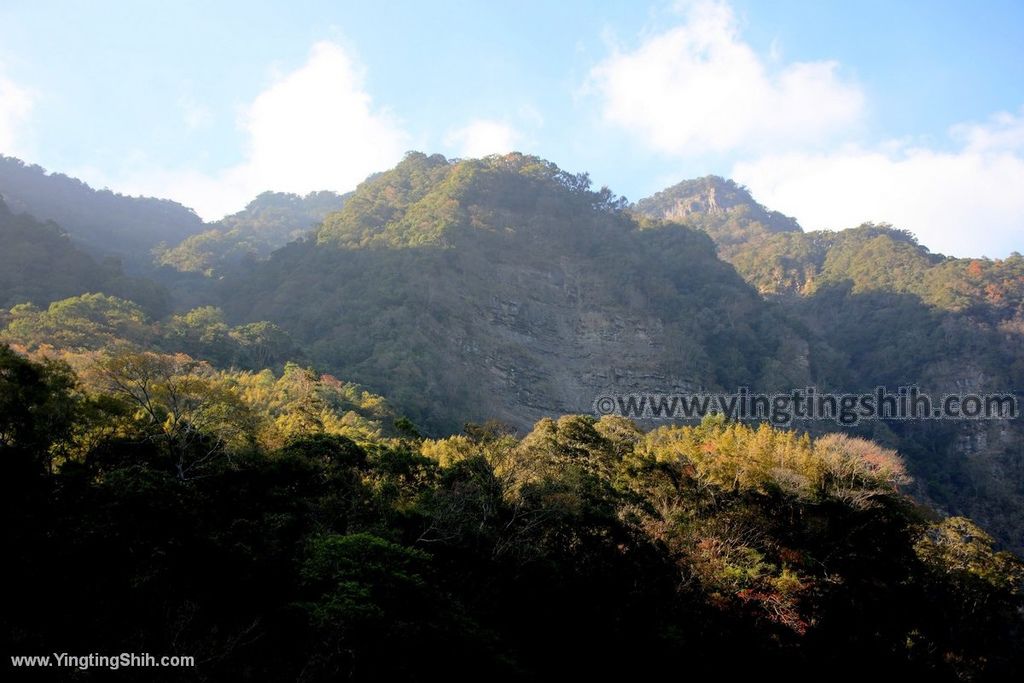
x=346, y=436
x=99, y=220
x=39, y=263
x=206, y=513
x=507, y=288
x=268, y=222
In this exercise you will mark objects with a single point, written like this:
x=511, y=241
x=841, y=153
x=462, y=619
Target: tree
x=37, y=408
x=201, y=332
x=263, y=344
x=182, y=403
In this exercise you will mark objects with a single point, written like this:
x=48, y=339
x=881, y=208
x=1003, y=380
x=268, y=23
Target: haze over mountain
x=145, y=233
x=99, y=220
x=39, y=263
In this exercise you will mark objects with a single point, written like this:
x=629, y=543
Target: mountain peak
x=721, y=207
x=431, y=200
x=710, y=194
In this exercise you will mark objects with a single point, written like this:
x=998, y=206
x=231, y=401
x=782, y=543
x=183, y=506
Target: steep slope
x=39, y=264
x=719, y=207
x=506, y=288
x=268, y=222
x=890, y=312
x=901, y=316
x=99, y=220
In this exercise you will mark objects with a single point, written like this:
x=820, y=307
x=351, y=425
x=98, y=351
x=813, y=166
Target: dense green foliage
x=585, y=548
x=881, y=258
x=880, y=309
x=92, y=322
x=719, y=207
x=505, y=287
x=268, y=222
x=505, y=284
x=427, y=200
x=189, y=482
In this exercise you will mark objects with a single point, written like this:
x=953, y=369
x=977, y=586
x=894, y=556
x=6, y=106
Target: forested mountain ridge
x=146, y=233
x=99, y=220
x=39, y=263
x=506, y=288
x=719, y=207
x=235, y=480
x=883, y=258
x=894, y=313
x=777, y=257
x=268, y=222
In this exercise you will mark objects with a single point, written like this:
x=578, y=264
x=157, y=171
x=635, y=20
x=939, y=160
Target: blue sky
x=836, y=113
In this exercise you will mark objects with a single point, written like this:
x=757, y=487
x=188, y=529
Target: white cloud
x=314, y=128
x=699, y=88
x=15, y=106
x=1004, y=132
x=482, y=137
x=965, y=202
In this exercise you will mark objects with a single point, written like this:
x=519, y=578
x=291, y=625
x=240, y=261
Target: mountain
x=719, y=207
x=268, y=222
x=137, y=228
x=40, y=264
x=777, y=257
x=222, y=491
x=506, y=288
x=100, y=221
x=882, y=258
x=893, y=313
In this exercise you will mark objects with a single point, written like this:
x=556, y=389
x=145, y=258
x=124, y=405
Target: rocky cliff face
x=720, y=207
x=507, y=289
x=892, y=313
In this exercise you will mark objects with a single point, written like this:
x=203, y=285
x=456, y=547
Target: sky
x=836, y=113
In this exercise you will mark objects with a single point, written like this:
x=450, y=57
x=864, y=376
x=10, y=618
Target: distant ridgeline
x=268, y=222
x=101, y=221
x=508, y=288
x=146, y=232
x=39, y=263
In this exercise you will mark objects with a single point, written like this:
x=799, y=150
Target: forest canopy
x=241, y=519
